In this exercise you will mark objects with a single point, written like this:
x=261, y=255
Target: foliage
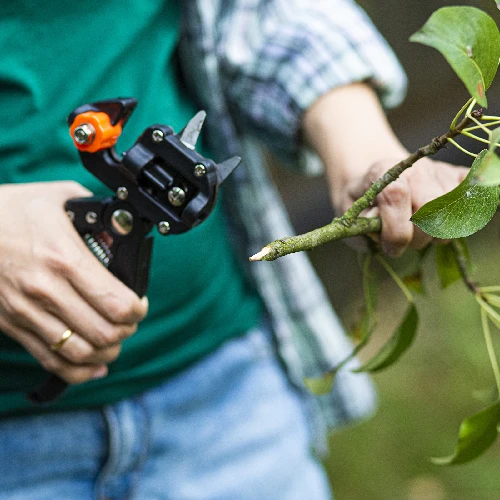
x=469, y=40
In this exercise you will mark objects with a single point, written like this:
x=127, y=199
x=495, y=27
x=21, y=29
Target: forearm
x=348, y=129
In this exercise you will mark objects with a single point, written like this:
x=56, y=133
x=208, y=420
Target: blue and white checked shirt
x=255, y=66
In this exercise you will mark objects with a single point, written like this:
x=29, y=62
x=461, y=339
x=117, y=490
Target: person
x=206, y=400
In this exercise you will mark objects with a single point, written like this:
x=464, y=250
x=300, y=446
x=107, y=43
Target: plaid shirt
x=255, y=66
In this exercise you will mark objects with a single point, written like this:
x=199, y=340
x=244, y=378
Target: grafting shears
x=160, y=181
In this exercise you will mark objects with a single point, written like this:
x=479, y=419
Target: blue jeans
x=230, y=427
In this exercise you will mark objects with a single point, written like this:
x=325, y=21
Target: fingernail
x=145, y=301
x=101, y=372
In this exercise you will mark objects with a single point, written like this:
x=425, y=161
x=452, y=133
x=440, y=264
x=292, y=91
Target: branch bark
x=350, y=223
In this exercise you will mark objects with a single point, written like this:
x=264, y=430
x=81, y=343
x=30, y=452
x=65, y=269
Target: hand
x=421, y=183
x=51, y=282
x=348, y=129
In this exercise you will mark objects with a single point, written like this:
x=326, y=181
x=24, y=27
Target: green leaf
x=366, y=326
x=489, y=173
x=447, y=265
x=321, y=385
x=461, y=212
x=469, y=40
x=396, y=346
x=477, y=433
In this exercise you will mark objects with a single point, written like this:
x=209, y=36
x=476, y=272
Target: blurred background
x=446, y=376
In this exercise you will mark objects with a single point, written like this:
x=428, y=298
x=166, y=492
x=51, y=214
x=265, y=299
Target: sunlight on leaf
x=396, y=346
x=477, y=433
x=461, y=212
x=469, y=40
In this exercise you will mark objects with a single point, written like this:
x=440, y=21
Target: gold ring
x=65, y=336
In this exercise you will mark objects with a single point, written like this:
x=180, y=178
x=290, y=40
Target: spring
x=99, y=249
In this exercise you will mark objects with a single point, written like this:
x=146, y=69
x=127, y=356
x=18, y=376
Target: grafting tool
x=161, y=181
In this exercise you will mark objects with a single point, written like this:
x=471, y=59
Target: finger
x=426, y=189
x=106, y=293
x=47, y=296
x=75, y=349
x=109, y=296
x=53, y=363
x=449, y=177
x=72, y=260
x=420, y=239
x=395, y=211
x=50, y=329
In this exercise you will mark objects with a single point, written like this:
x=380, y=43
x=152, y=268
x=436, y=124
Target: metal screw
x=122, y=193
x=91, y=217
x=176, y=196
x=84, y=134
x=163, y=227
x=200, y=170
x=157, y=135
x=122, y=221
x=71, y=215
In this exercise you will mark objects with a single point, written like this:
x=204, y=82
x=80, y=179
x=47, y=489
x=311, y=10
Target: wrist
x=348, y=129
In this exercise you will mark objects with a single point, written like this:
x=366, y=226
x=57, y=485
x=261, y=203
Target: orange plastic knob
x=93, y=131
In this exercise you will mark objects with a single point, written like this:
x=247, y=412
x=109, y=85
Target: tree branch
x=350, y=224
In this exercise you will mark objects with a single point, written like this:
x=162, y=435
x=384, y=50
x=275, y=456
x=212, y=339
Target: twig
x=350, y=224
x=336, y=230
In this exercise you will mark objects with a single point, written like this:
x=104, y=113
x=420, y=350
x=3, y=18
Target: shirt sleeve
x=276, y=57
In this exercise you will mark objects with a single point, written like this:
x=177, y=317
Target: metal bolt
x=122, y=221
x=157, y=135
x=91, y=217
x=176, y=196
x=200, y=170
x=71, y=215
x=84, y=134
x=163, y=227
x=122, y=193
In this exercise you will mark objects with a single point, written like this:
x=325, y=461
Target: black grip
x=48, y=391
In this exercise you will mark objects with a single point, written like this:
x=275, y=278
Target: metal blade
x=226, y=167
x=190, y=133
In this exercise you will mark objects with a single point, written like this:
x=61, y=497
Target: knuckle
x=111, y=354
x=36, y=285
x=120, y=310
x=13, y=306
x=79, y=355
x=109, y=335
x=59, y=260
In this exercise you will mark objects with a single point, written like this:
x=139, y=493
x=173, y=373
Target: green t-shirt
x=57, y=55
